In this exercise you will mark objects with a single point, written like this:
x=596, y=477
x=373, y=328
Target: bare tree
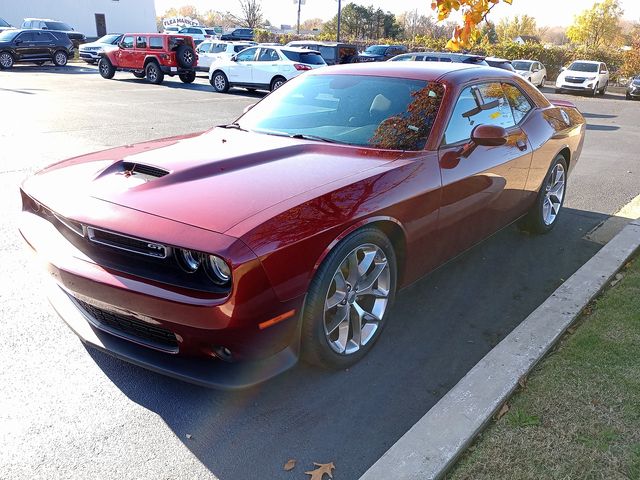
x=251, y=15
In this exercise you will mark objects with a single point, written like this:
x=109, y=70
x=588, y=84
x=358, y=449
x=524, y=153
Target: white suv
x=262, y=67
x=199, y=34
x=584, y=76
x=210, y=51
x=533, y=71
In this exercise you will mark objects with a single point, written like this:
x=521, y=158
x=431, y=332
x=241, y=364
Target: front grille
x=129, y=244
x=574, y=79
x=131, y=328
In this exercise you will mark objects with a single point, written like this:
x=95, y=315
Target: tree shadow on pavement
x=439, y=328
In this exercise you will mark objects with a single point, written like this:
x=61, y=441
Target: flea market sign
x=179, y=21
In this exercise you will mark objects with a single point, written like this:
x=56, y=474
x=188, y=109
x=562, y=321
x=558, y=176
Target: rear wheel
x=220, y=82
x=106, y=69
x=543, y=215
x=277, y=82
x=349, y=299
x=188, y=77
x=153, y=73
x=6, y=60
x=60, y=58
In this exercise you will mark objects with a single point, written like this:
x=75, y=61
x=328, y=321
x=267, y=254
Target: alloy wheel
x=219, y=82
x=277, y=84
x=61, y=59
x=6, y=61
x=357, y=299
x=554, y=193
x=187, y=57
x=104, y=68
x=152, y=73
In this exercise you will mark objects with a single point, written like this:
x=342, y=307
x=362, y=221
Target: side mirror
x=563, y=69
x=248, y=107
x=18, y=41
x=120, y=45
x=234, y=58
x=489, y=135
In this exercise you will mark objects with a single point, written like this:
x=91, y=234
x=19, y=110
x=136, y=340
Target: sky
x=546, y=12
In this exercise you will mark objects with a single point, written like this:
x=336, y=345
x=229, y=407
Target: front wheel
x=106, y=69
x=219, y=82
x=543, y=215
x=153, y=73
x=542, y=82
x=188, y=77
x=60, y=58
x=603, y=90
x=627, y=96
x=349, y=299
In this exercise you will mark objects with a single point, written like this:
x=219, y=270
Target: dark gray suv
x=34, y=46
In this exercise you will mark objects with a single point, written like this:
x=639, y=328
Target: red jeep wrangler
x=152, y=55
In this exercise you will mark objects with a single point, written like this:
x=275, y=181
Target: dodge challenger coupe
x=222, y=257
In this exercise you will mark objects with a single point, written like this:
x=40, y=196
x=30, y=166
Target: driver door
x=125, y=52
x=241, y=71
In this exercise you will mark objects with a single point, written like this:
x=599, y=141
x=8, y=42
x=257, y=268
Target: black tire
x=185, y=56
x=188, y=77
x=603, y=90
x=153, y=73
x=106, y=69
x=542, y=82
x=627, y=96
x=139, y=74
x=6, y=60
x=594, y=92
x=60, y=58
x=277, y=82
x=534, y=221
x=315, y=344
x=219, y=82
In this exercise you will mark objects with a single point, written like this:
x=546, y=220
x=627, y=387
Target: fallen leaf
x=319, y=472
x=615, y=281
x=188, y=435
x=290, y=465
x=503, y=411
x=522, y=382
x=571, y=330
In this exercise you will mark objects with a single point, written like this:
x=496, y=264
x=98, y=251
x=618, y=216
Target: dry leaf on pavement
x=290, y=465
x=319, y=472
x=503, y=411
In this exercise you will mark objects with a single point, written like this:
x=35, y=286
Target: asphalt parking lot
x=69, y=412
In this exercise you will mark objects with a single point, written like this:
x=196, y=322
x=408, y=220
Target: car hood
x=573, y=73
x=212, y=180
x=104, y=46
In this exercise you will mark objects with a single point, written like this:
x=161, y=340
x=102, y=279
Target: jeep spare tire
x=185, y=56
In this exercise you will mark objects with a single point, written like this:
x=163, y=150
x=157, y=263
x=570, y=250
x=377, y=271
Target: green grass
x=578, y=415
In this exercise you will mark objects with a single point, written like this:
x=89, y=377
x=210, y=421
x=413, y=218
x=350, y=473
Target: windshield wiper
x=234, y=125
x=304, y=136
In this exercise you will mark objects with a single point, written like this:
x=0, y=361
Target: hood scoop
x=136, y=171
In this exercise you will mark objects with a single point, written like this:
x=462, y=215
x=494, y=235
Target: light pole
x=339, y=14
x=300, y=3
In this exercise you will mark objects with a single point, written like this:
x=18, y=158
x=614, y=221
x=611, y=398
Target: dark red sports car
x=220, y=257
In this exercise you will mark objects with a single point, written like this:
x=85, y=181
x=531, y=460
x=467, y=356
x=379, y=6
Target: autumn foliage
x=473, y=12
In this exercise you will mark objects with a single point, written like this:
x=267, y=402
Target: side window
x=141, y=42
x=483, y=104
x=48, y=37
x=218, y=48
x=268, y=55
x=247, y=55
x=603, y=68
x=127, y=42
x=518, y=102
x=155, y=43
x=26, y=37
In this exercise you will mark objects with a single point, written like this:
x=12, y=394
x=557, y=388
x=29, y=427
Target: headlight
x=218, y=270
x=524, y=74
x=590, y=78
x=188, y=260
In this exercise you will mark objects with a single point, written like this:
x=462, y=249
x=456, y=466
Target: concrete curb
x=434, y=443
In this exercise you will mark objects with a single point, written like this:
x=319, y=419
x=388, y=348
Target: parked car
x=34, y=46
x=633, y=89
x=55, y=26
x=381, y=53
x=502, y=63
x=214, y=50
x=4, y=25
x=440, y=57
x=199, y=34
x=238, y=34
x=584, y=76
x=334, y=53
x=220, y=257
x=91, y=52
x=533, y=71
x=172, y=29
x=152, y=55
x=262, y=68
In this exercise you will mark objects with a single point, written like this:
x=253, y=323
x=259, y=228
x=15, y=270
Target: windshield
x=3, y=23
x=522, y=65
x=380, y=112
x=636, y=81
x=376, y=50
x=583, y=67
x=59, y=26
x=8, y=35
x=111, y=39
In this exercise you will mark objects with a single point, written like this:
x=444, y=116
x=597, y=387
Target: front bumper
x=634, y=92
x=87, y=55
x=183, y=331
x=585, y=86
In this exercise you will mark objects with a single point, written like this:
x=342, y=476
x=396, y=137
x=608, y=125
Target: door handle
x=522, y=145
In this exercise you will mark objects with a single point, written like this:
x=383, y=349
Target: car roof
x=588, y=61
x=323, y=43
